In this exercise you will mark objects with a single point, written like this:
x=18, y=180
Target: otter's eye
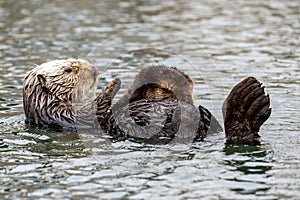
x=68, y=70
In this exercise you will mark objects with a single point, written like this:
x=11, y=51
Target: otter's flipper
x=245, y=109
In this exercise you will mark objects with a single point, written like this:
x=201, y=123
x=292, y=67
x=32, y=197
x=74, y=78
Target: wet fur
x=245, y=109
x=51, y=89
x=157, y=108
x=159, y=82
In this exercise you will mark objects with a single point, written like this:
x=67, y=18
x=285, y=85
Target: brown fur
x=245, y=109
x=159, y=82
x=160, y=100
x=157, y=107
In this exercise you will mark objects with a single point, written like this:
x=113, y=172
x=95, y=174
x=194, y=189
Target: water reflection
x=44, y=142
x=250, y=165
x=248, y=159
x=56, y=144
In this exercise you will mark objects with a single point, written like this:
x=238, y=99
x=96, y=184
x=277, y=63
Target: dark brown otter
x=156, y=109
x=245, y=109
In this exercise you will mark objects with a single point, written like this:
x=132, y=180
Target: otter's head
x=69, y=79
x=50, y=89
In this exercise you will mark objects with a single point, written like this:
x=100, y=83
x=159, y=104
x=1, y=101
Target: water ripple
x=216, y=43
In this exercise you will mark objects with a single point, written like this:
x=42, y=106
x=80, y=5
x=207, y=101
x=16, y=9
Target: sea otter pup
x=158, y=107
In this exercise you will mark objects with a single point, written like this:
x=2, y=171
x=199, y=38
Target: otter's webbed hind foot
x=245, y=109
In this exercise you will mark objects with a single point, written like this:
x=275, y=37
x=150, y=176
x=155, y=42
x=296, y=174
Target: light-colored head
x=69, y=79
x=50, y=89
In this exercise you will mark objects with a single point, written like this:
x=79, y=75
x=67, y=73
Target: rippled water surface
x=216, y=42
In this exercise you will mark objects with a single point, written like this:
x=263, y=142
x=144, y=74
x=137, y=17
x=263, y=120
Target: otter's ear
x=42, y=79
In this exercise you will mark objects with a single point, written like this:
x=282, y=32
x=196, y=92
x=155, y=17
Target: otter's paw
x=113, y=87
x=245, y=109
x=110, y=91
x=204, y=122
x=104, y=101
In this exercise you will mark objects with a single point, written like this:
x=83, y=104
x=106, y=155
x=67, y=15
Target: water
x=216, y=43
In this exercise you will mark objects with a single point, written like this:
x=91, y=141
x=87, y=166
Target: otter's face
x=69, y=79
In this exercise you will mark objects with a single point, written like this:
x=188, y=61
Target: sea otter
x=55, y=92
x=158, y=107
